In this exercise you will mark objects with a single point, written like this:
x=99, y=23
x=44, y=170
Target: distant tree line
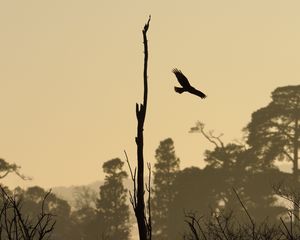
x=234, y=172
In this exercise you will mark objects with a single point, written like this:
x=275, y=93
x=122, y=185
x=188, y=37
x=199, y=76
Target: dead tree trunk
x=139, y=206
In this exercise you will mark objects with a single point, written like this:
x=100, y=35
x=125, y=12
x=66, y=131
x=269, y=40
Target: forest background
x=58, y=75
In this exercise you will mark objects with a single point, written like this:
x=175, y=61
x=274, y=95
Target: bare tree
x=137, y=198
x=15, y=226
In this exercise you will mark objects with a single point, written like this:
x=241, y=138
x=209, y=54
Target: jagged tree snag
x=137, y=198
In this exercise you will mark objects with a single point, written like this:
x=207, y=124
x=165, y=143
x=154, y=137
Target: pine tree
x=165, y=170
x=274, y=133
x=112, y=206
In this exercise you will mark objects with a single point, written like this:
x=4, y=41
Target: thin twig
x=133, y=199
x=286, y=228
x=220, y=226
x=244, y=207
x=149, y=223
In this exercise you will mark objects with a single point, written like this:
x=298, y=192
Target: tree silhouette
x=236, y=165
x=165, y=169
x=6, y=168
x=137, y=197
x=274, y=131
x=84, y=216
x=84, y=197
x=194, y=190
x=112, y=204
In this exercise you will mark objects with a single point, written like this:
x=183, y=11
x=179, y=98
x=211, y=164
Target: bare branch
x=148, y=188
x=133, y=199
x=216, y=140
x=286, y=228
x=13, y=224
x=246, y=211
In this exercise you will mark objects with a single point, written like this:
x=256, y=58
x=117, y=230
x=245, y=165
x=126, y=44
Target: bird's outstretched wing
x=197, y=92
x=184, y=82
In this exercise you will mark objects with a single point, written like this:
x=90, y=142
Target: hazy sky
x=71, y=73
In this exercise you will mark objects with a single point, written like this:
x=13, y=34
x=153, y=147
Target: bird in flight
x=186, y=86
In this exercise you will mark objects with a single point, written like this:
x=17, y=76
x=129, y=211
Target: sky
x=71, y=74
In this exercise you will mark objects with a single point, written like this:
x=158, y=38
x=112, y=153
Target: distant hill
x=66, y=193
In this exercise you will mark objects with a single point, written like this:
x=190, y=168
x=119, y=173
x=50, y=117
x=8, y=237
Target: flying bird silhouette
x=186, y=86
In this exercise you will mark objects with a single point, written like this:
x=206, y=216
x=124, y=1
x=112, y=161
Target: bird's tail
x=179, y=89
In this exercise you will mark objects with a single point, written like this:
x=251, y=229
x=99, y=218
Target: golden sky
x=71, y=73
